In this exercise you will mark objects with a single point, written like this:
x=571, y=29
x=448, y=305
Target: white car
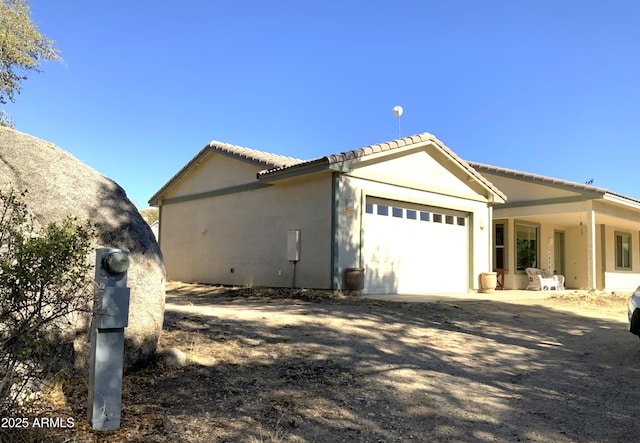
x=633, y=311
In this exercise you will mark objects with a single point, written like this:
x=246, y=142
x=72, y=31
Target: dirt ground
x=323, y=368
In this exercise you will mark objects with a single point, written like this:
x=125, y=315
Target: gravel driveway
x=555, y=369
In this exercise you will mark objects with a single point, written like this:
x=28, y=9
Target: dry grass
x=593, y=298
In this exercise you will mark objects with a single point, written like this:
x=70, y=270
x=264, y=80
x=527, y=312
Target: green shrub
x=44, y=283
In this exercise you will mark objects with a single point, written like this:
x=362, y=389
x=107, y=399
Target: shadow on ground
x=378, y=371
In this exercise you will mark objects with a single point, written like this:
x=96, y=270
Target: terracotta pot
x=354, y=279
x=488, y=281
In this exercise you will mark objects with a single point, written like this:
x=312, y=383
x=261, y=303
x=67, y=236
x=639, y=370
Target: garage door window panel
x=383, y=210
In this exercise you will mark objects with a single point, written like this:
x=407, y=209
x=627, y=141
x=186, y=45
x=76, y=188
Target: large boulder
x=59, y=185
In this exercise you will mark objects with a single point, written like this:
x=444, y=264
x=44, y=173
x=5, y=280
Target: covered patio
x=588, y=234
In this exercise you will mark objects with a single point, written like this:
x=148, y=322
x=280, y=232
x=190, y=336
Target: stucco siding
x=616, y=281
x=215, y=171
x=352, y=195
x=616, y=278
x=421, y=171
x=576, y=260
x=241, y=238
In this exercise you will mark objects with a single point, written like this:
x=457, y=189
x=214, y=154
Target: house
x=586, y=233
x=410, y=212
x=155, y=228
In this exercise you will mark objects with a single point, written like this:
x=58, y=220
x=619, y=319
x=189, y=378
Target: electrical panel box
x=114, y=308
x=293, y=245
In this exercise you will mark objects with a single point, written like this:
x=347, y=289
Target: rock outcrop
x=59, y=185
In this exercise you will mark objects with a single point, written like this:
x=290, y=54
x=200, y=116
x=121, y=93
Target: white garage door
x=412, y=249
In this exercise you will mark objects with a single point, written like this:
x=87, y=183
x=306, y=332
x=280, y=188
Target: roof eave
x=156, y=199
x=494, y=195
x=588, y=191
x=224, y=150
x=268, y=176
x=622, y=200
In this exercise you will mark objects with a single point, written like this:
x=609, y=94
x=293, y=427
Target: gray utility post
x=110, y=317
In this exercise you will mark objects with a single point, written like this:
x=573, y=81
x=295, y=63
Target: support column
x=591, y=248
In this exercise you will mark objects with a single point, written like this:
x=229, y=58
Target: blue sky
x=549, y=87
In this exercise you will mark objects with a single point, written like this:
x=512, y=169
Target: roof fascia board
x=215, y=193
x=548, y=201
x=500, y=212
x=343, y=166
x=494, y=196
x=293, y=171
x=588, y=191
x=621, y=200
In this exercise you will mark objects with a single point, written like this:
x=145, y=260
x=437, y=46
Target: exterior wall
x=215, y=171
x=576, y=264
x=616, y=279
x=576, y=258
x=600, y=263
x=155, y=228
x=221, y=226
x=353, y=189
x=419, y=170
x=241, y=238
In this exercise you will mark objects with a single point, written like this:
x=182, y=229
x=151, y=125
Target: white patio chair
x=540, y=280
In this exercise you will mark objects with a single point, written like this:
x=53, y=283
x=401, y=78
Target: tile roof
x=260, y=158
x=356, y=153
x=265, y=159
x=274, y=163
x=536, y=178
x=389, y=146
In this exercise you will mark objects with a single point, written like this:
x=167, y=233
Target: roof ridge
x=380, y=147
